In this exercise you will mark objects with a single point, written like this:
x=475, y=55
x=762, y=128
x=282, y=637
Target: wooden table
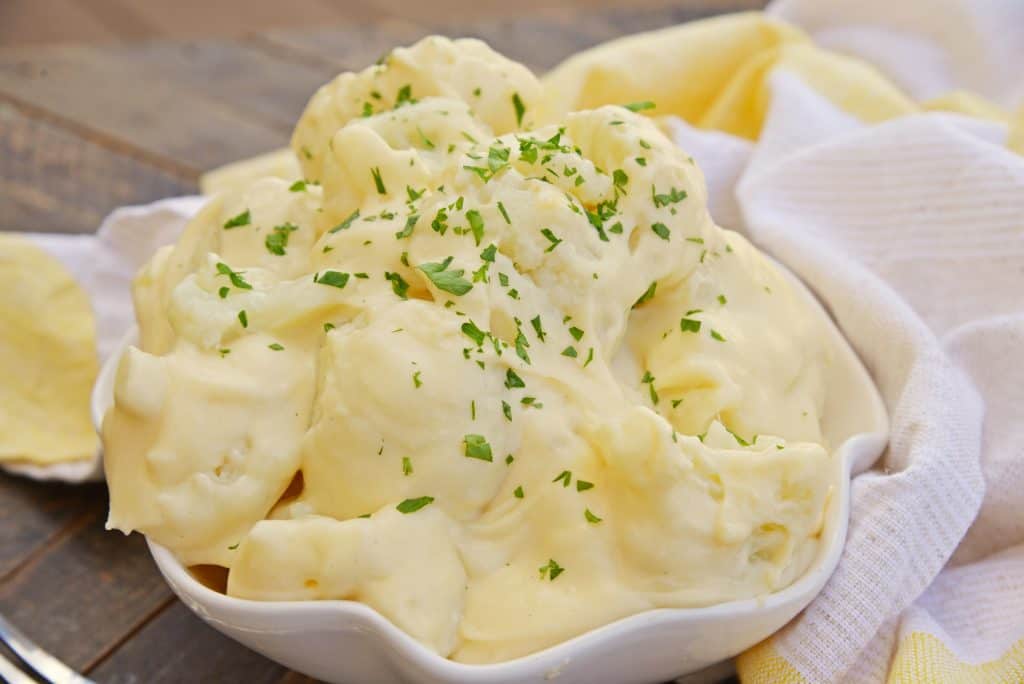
x=86, y=129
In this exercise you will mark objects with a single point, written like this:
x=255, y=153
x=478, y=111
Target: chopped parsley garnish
x=404, y=96
x=537, y=327
x=590, y=357
x=235, y=276
x=513, y=293
x=378, y=181
x=223, y=292
x=504, y=214
x=531, y=401
x=346, y=223
x=648, y=380
x=489, y=252
x=648, y=294
x=476, y=224
x=512, y=380
x=570, y=351
x=509, y=459
x=565, y=477
x=517, y=102
x=410, y=223
x=591, y=518
x=722, y=300
x=243, y=219
x=332, y=278
x=739, y=440
x=676, y=402
x=243, y=318
x=406, y=465
x=551, y=570
x=470, y=329
x=695, y=240
x=583, y=485
x=413, y=505
x=445, y=279
x=640, y=106
x=576, y=333
x=521, y=345
x=620, y=179
x=477, y=447
x=297, y=186
x=518, y=493
x=674, y=196
x=278, y=239
x=661, y=230
x=689, y=325
x=506, y=408
x=425, y=140
x=361, y=275
x=503, y=279
x=417, y=383
x=640, y=161
x=275, y=346
x=328, y=327
x=223, y=352
x=552, y=238
x=717, y=335
x=398, y=284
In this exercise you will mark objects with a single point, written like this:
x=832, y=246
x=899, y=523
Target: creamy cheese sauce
x=530, y=387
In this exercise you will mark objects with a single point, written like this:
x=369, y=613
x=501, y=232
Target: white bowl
x=346, y=642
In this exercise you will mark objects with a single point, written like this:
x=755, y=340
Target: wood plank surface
x=84, y=129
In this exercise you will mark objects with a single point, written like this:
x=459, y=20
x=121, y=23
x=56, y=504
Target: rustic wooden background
x=84, y=129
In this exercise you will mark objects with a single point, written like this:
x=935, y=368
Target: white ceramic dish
x=345, y=642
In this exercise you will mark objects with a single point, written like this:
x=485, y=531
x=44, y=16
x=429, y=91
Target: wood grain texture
x=88, y=591
x=86, y=129
x=52, y=180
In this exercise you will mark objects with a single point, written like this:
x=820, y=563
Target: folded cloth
x=881, y=170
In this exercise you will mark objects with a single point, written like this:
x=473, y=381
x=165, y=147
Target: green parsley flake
x=676, y=402
x=620, y=179
x=243, y=318
x=297, y=186
x=695, y=240
x=223, y=292
x=722, y=300
x=509, y=459
x=506, y=408
x=328, y=327
x=590, y=357
x=378, y=181
x=648, y=294
x=332, y=278
x=570, y=351
x=591, y=518
x=243, y=219
x=551, y=570
x=406, y=466
x=277, y=240
x=552, y=238
x=504, y=214
x=512, y=380
x=413, y=505
x=477, y=447
x=689, y=325
x=521, y=345
x=410, y=223
x=518, y=493
x=640, y=161
x=474, y=333
x=417, y=383
x=717, y=335
x=476, y=224
x=275, y=346
x=537, y=327
x=674, y=196
x=583, y=485
x=565, y=477
x=223, y=352
x=661, y=230
x=576, y=333
x=517, y=102
x=427, y=143
x=640, y=106
x=488, y=253
x=404, y=96
x=444, y=279
x=234, y=276
x=346, y=223
x=398, y=284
